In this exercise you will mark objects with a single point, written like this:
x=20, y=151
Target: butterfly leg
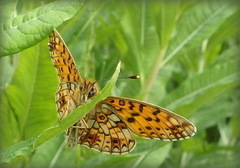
x=72, y=132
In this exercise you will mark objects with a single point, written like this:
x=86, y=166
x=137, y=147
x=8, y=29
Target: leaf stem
x=157, y=66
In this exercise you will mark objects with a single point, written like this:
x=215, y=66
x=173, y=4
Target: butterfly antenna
x=130, y=77
x=125, y=77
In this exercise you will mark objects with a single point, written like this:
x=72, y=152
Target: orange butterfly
x=110, y=125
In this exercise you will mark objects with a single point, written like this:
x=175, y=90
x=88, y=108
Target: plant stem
x=156, y=68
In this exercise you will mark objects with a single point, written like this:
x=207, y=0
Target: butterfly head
x=89, y=90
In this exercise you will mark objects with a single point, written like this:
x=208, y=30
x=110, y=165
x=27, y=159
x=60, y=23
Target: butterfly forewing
x=151, y=121
x=62, y=59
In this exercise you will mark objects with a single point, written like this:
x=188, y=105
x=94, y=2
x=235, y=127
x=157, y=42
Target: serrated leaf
x=30, y=28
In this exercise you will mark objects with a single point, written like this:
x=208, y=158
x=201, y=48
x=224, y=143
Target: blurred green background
x=186, y=52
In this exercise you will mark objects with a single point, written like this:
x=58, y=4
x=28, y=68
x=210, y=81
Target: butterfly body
x=110, y=125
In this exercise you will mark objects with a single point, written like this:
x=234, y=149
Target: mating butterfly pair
x=110, y=125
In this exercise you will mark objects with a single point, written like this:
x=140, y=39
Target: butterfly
x=109, y=127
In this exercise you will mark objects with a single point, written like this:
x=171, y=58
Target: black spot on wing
x=135, y=114
x=141, y=107
x=156, y=112
x=131, y=105
x=131, y=120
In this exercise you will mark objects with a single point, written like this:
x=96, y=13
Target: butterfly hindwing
x=106, y=132
x=67, y=98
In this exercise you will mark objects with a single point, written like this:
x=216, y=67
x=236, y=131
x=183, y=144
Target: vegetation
x=186, y=52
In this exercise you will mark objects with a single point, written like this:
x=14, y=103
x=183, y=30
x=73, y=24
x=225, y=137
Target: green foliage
x=186, y=52
x=25, y=30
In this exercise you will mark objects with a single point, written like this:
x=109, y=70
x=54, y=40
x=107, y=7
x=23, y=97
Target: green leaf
x=198, y=24
x=225, y=106
x=23, y=148
x=202, y=88
x=154, y=158
x=113, y=162
x=27, y=107
x=28, y=29
x=45, y=154
x=18, y=149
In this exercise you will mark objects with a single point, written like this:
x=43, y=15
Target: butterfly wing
x=106, y=132
x=151, y=121
x=68, y=94
x=62, y=59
